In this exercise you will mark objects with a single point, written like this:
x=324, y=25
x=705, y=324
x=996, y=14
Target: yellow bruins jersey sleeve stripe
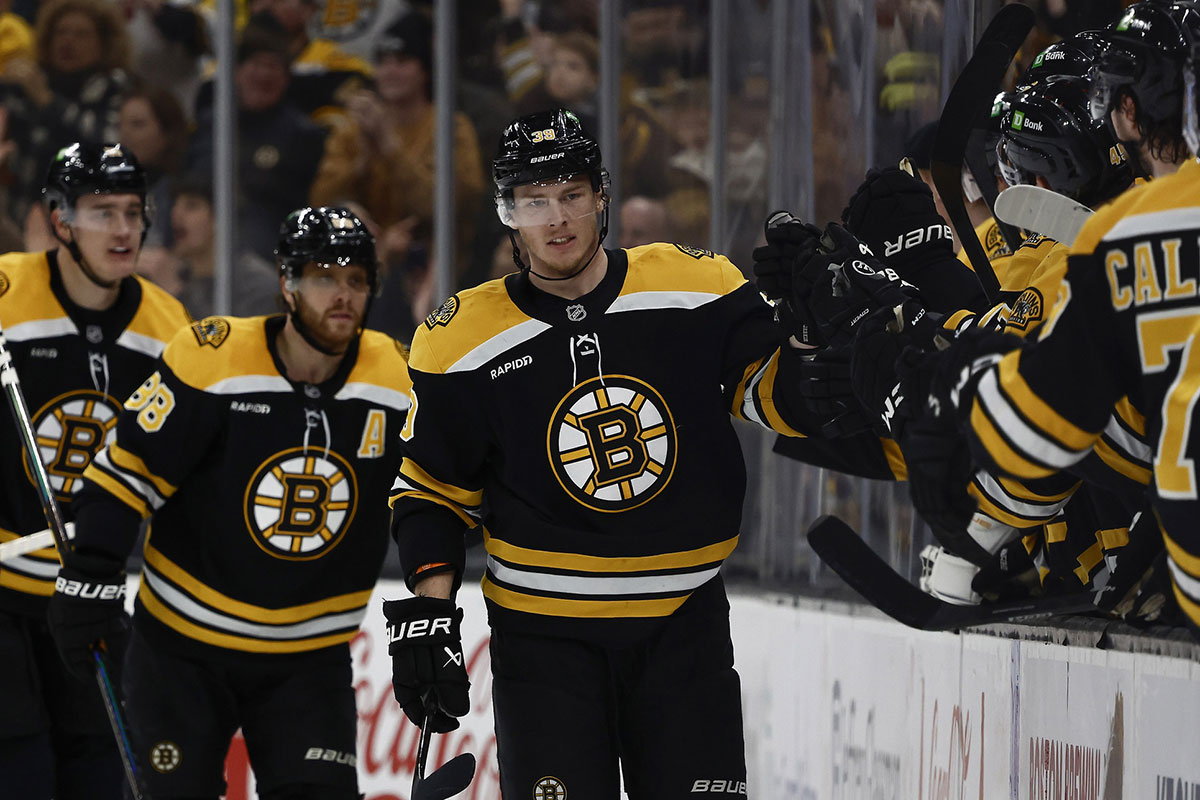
x=380, y=373
x=1112, y=538
x=1032, y=407
x=596, y=585
x=895, y=459
x=132, y=478
x=21, y=583
x=129, y=463
x=591, y=609
x=997, y=502
x=758, y=398
x=225, y=355
x=684, y=559
x=998, y=447
x=464, y=498
x=304, y=613
x=957, y=319
x=1119, y=462
x=116, y=488
x=413, y=494
x=248, y=644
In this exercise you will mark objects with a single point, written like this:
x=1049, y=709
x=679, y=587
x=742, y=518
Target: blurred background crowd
x=335, y=105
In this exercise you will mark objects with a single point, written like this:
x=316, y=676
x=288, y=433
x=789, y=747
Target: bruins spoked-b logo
x=611, y=443
x=549, y=788
x=165, y=757
x=299, y=504
x=70, y=430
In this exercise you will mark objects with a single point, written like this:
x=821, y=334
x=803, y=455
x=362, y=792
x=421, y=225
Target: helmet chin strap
x=307, y=335
x=529, y=267
x=77, y=254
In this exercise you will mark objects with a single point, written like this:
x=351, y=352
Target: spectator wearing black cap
x=278, y=146
x=382, y=157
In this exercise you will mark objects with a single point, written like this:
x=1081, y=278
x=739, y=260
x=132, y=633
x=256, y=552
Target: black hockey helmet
x=1049, y=132
x=1073, y=57
x=1148, y=48
x=89, y=168
x=327, y=235
x=545, y=146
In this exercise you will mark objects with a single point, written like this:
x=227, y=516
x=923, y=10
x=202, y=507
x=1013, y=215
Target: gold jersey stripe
x=895, y=459
x=230, y=641
x=433, y=498
x=765, y=391
x=1119, y=463
x=952, y=322
x=1088, y=560
x=1041, y=414
x=682, y=559
x=1000, y=513
x=590, y=609
x=128, y=461
x=739, y=395
x=464, y=497
x=1128, y=413
x=1022, y=492
x=999, y=449
x=1188, y=562
x=11, y=580
x=248, y=611
x=1056, y=532
x=117, y=489
x=1111, y=538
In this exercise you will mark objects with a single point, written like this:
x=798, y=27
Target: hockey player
x=578, y=409
x=261, y=449
x=83, y=331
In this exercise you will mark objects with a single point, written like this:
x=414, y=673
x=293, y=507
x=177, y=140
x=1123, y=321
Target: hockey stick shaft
x=866, y=572
x=30, y=542
x=447, y=780
x=11, y=382
x=970, y=95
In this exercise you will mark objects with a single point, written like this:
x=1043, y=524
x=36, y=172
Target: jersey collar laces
x=312, y=418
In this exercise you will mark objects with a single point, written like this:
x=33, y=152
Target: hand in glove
x=427, y=659
x=843, y=282
x=789, y=243
x=87, y=610
x=894, y=213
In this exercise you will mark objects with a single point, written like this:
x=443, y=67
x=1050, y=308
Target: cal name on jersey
x=1151, y=271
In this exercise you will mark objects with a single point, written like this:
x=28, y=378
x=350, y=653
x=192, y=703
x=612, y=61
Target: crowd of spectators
x=334, y=106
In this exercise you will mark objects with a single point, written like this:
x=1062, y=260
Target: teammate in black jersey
x=261, y=449
x=579, y=409
x=84, y=331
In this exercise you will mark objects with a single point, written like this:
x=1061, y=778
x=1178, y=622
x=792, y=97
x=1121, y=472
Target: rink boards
x=845, y=707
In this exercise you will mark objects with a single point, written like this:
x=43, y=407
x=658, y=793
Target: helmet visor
x=549, y=202
x=1117, y=68
x=107, y=213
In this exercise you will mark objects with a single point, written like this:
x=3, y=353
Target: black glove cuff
x=104, y=588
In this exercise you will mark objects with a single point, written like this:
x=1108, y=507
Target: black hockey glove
x=881, y=339
x=87, y=610
x=427, y=660
x=843, y=282
x=789, y=243
x=825, y=386
x=894, y=213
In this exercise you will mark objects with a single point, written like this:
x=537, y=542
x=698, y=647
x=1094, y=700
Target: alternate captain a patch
x=1027, y=308
x=612, y=442
x=300, y=502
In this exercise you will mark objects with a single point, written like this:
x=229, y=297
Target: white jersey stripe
x=246, y=384
x=646, y=301
x=587, y=586
x=375, y=394
x=41, y=329
x=1031, y=442
x=500, y=343
x=1154, y=222
x=140, y=343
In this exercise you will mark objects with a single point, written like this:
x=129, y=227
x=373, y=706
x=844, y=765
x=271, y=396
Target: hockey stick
x=447, y=780
x=1043, y=211
x=858, y=565
x=30, y=542
x=971, y=94
x=58, y=530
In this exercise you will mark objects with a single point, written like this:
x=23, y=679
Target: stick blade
x=1042, y=211
x=447, y=780
x=858, y=565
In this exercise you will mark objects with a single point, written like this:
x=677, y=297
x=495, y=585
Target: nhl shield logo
x=612, y=442
x=211, y=331
x=443, y=313
x=576, y=312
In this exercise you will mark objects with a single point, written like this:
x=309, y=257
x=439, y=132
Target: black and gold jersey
x=590, y=437
x=1123, y=322
x=76, y=367
x=267, y=498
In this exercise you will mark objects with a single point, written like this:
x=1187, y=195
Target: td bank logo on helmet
x=547, y=157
